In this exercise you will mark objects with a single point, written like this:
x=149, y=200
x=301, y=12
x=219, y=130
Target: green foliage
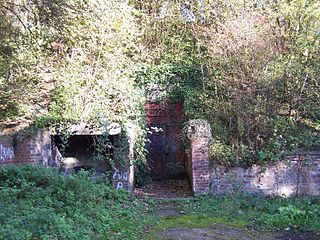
x=40, y=203
x=305, y=216
x=173, y=82
x=259, y=212
x=256, y=77
x=251, y=69
x=141, y=173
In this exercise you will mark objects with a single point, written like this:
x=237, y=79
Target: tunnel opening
x=166, y=156
x=80, y=152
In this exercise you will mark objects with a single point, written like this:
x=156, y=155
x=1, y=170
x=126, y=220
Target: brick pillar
x=199, y=135
x=200, y=165
x=35, y=149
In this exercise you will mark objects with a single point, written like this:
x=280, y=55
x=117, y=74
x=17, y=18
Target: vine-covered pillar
x=199, y=137
x=123, y=172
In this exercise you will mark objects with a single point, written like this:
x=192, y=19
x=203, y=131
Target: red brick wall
x=36, y=149
x=166, y=156
x=6, y=150
x=297, y=175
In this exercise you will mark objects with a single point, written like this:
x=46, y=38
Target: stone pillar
x=199, y=135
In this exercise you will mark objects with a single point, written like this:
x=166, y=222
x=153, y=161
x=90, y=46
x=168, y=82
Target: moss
x=192, y=221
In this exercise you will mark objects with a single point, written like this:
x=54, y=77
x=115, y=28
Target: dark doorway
x=166, y=156
x=79, y=153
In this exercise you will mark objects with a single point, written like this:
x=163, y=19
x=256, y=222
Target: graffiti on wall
x=6, y=153
x=120, y=177
x=175, y=167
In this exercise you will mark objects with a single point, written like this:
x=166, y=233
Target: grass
x=243, y=212
x=40, y=203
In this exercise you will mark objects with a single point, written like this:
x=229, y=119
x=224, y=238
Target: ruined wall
x=296, y=175
x=166, y=156
x=200, y=166
x=41, y=149
x=33, y=149
x=6, y=150
x=123, y=172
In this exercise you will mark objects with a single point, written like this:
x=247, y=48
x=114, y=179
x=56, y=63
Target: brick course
x=40, y=149
x=296, y=175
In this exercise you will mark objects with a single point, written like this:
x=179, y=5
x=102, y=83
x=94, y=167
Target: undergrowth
x=274, y=213
x=40, y=203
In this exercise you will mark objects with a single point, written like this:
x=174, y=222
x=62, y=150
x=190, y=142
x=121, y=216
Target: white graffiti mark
x=6, y=153
x=120, y=176
x=119, y=185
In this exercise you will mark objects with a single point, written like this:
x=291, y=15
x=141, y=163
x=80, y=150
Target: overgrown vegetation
x=260, y=211
x=243, y=212
x=257, y=76
x=250, y=68
x=40, y=203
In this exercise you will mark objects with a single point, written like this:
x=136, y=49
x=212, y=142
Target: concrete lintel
x=88, y=129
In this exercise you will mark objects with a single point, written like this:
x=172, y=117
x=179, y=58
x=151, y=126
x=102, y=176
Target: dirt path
x=165, y=189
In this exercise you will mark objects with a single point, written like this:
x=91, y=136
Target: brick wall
x=40, y=149
x=296, y=175
x=36, y=149
x=198, y=164
x=6, y=150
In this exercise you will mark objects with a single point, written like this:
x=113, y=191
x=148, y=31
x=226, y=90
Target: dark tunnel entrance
x=79, y=152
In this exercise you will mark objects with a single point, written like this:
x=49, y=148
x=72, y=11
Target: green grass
x=190, y=221
x=302, y=213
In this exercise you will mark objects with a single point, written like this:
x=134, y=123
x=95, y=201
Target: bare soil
x=165, y=189
x=223, y=232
